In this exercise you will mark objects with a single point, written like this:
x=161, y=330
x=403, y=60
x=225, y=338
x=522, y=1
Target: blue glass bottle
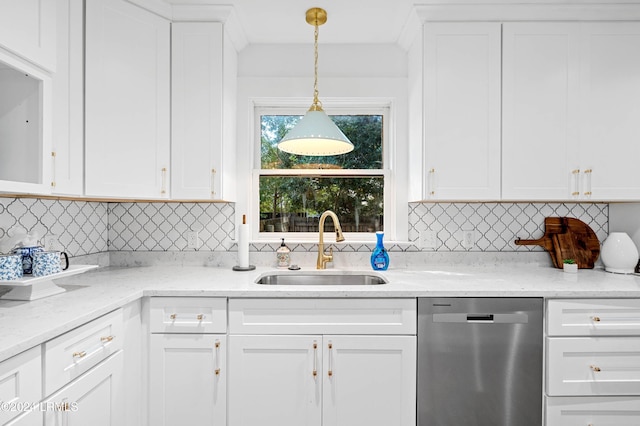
x=379, y=257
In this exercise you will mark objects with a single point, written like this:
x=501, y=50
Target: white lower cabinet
x=272, y=381
x=187, y=361
x=592, y=359
x=595, y=411
x=369, y=380
x=188, y=379
x=30, y=418
x=95, y=398
x=318, y=380
x=282, y=379
x=20, y=385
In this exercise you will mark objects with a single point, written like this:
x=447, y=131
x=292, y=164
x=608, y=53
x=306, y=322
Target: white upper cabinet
x=68, y=101
x=610, y=111
x=203, y=103
x=540, y=111
x=127, y=101
x=571, y=98
x=28, y=29
x=25, y=127
x=461, y=102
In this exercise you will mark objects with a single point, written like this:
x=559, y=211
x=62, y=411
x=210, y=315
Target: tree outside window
x=295, y=190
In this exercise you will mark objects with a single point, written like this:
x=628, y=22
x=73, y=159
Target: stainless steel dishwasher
x=480, y=361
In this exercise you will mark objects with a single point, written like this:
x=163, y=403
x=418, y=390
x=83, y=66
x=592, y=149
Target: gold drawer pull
x=595, y=319
x=173, y=316
x=81, y=354
x=200, y=317
x=217, y=369
x=315, y=360
x=106, y=339
x=594, y=368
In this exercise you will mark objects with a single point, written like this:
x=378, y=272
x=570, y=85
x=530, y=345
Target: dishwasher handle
x=479, y=317
x=482, y=318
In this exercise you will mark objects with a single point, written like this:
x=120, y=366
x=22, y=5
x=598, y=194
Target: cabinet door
x=196, y=86
x=540, y=104
x=95, y=398
x=600, y=411
x=25, y=127
x=188, y=379
x=20, y=383
x=28, y=28
x=369, y=380
x=67, y=151
x=32, y=418
x=593, y=366
x=127, y=119
x=610, y=84
x=275, y=380
x=462, y=110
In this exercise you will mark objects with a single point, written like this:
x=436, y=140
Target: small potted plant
x=570, y=265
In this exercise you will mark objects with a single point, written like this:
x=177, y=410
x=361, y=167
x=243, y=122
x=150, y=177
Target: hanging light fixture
x=315, y=133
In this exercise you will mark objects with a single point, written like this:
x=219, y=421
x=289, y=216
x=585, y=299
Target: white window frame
x=344, y=107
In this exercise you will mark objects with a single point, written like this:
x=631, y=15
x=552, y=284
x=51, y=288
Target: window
x=295, y=190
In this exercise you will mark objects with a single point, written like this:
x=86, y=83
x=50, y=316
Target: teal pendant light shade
x=315, y=134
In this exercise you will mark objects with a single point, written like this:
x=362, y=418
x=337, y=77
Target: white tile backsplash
x=497, y=225
x=84, y=228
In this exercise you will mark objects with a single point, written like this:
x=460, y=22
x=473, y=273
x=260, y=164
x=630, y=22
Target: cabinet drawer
x=593, y=317
x=73, y=353
x=322, y=316
x=602, y=411
x=593, y=366
x=188, y=315
x=20, y=382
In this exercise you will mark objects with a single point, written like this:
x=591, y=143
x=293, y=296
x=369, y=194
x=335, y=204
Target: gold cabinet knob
x=173, y=316
x=595, y=369
x=106, y=339
x=200, y=317
x=595, y=319
x=80, y=354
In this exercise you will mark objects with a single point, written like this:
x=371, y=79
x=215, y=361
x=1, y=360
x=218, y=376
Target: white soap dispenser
x=283, y=254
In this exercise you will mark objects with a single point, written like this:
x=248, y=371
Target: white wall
x=625, y=217
x=360, y=73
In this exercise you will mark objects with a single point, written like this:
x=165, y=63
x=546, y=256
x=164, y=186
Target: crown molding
x=552, y=11
x=505, y=11
x=158, y=7
x=213, y=13
x=412, y=28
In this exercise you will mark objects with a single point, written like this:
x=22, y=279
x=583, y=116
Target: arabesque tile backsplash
x=83, y=227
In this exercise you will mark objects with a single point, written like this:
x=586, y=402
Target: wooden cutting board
x=568, y=238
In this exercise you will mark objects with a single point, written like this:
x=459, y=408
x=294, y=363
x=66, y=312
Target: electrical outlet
x=51, y=242
x=428, y=239
x=192, y=240
x=468, y=238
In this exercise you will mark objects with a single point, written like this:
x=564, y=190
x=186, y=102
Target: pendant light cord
x=317, y=105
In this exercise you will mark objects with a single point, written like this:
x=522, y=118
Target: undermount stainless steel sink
x=321, y=278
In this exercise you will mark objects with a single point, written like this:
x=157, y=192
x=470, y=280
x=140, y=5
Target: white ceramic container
x=619, y=253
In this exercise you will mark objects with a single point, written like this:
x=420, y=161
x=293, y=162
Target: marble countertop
x=89, y=295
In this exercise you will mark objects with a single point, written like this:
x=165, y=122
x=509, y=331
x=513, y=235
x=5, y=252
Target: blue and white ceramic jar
x=10, y=267
x=27, y=254
x=49, y=262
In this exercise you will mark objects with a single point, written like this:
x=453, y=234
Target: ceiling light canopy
x=315, y=134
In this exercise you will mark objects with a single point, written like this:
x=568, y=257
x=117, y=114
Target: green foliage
x=355, y=199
